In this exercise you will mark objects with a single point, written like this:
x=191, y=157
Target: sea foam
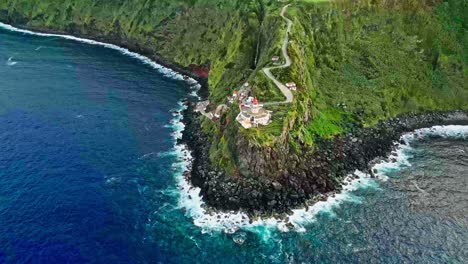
x=401, y=154
x=191, y=200
x=11, y=62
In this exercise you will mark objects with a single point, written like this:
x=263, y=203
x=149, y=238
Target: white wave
x=453, y=131
x=10, y=62
x=191, y=200
x=146, y=155
x=196, y=86
x=164, y=70
x=195, y=94
x=195, y=89
x=399, y=158
x=189, y=196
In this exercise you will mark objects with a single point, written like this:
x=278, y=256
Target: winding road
x=267, y=70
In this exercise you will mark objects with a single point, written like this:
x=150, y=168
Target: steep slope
x=357, y=64
x=218, y=36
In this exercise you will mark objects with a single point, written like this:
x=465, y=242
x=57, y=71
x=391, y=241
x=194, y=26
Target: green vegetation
x=355, y=62
x=362, y=62
x=366, y=61
x=221, y=34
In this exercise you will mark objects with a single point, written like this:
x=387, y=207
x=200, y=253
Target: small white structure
x=209, y=115
x=275, y=58
x=201, y=106
x=253, y=114
x=246, y=85
x=291, y=86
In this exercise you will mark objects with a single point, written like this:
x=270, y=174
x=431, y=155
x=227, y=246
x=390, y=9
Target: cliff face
x=280, y=179
x=357, y=65
x=218, y=36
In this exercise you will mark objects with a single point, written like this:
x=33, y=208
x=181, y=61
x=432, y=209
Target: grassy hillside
x=355, y=62
x=221, y=34
x=365, y=61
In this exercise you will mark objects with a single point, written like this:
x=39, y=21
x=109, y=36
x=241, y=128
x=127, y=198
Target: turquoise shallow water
x=87, y=175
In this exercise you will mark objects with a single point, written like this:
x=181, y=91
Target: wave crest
x=399, y=158
x=191, y=200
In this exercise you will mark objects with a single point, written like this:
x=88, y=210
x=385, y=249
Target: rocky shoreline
x=322, y=172
x=281, y=180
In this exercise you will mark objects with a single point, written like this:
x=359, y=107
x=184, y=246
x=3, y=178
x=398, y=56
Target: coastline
x=133, y=50
x=362, y=174
x=358, y=152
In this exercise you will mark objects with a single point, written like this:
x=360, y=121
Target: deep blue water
x=85, y=176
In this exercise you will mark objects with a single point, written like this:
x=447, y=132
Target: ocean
x=90, y=172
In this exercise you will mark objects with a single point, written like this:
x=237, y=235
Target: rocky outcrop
x=281, y=179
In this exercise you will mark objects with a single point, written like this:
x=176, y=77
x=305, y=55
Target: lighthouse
x=253, y=114
x=255, y=106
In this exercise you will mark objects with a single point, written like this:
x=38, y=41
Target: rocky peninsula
x=366, y=72
x=299, y=180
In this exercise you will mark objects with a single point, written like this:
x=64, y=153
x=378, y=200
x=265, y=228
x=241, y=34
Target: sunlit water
x=89, y=173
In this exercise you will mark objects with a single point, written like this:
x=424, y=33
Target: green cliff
x=221, y=34
x=355, y=62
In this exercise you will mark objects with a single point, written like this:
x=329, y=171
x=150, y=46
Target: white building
x=234, y=97
x=252, y=115
x=291, y=86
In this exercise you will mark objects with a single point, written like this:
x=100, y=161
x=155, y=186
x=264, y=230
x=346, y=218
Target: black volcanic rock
x=302, y=177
